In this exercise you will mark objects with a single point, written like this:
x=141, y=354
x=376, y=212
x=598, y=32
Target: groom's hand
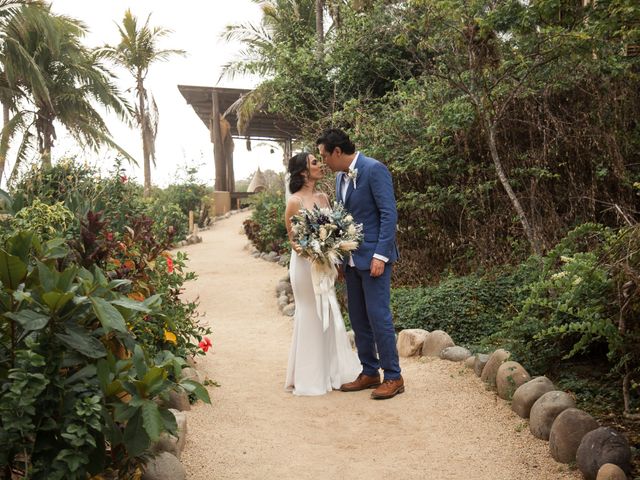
x=377, y=267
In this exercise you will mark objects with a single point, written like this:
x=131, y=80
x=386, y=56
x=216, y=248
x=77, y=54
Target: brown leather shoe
x=388, y=389
x=361, y=383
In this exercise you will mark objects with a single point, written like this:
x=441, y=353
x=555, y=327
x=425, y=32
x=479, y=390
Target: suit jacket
x=373, y=204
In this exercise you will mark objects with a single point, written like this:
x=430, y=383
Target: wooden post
x=218, y=146
x=190, y=222
x=228, y=150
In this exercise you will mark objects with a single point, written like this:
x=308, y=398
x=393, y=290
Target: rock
x=455, y=354
x=256, y=254
x=435, y=342
x=490, y=370
x=352, y=338
x=470, y=362
x=174, y=444
x=193, y=239
x=283, y=301
x=289, y=310
x=480, y=362
x=609, y=471
x=284, y=259
x=410, y=341
x=509, y=377
x=601, y=446
x=191, y=374
x=283, y=287
x=164, y=467
x=545, y=411
x=179, y=400
x=527, y=394
x=271, y=256
x=566, y=433
x=227, y=215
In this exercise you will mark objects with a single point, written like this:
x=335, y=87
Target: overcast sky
x=182, y=137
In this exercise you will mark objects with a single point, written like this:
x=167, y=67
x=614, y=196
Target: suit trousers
x=370, y=316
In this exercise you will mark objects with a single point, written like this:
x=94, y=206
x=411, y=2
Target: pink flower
x=109, y=236
x=124, y=178
x=205, y=344
x=170, y=266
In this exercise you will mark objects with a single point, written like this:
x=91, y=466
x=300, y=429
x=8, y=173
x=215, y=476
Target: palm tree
x=137, y=50
x=16, y=66
x=74, y=79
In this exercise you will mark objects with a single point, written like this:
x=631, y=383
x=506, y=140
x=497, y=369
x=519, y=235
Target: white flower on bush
x=566, y=259
x=559, y=275
x=577, y=281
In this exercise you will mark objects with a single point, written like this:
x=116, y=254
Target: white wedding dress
x=319, y=361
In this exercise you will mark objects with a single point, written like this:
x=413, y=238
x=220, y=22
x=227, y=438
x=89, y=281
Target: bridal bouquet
x=326, y=235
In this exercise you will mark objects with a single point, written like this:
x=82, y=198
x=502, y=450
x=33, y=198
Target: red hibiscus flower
x=169, y=265
x=205, y=344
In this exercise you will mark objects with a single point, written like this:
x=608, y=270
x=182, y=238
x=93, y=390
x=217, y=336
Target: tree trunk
x=490, y=128
x=320, y=27
x=142, y=120
x=5, y=134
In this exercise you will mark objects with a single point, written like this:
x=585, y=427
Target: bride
x=319, y=361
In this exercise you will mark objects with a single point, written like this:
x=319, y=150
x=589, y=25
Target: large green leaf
x=131, y=304
x=83, y=343
x=152, y=420
x=12, y=270
x=57, y=300
x=197, y=389
x=55, y=248
x=135, y=436
x=48, y=276
x=29, y=320
x=153, y=381
x=139, y=361
x=20, y=244
x=169, y=420
x=109, y=316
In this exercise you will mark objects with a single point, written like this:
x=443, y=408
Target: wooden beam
x=218, y=147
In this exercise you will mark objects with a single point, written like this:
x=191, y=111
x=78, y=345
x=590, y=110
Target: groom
x=365, y=188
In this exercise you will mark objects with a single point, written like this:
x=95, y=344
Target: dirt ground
x=445, y=426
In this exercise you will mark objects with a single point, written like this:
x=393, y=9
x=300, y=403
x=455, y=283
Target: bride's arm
x=293, y=207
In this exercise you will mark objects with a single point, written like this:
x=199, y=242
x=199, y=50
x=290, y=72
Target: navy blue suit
x=373, y=204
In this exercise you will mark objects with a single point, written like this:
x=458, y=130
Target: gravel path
x=446, y=425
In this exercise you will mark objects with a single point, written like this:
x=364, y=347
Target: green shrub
x=266, y=228
x=46, y=221
x=470, y=309
x=78, y=392
x=169, y=221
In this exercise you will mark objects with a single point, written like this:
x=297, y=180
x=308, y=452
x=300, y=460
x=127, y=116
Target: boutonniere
x=353, y=174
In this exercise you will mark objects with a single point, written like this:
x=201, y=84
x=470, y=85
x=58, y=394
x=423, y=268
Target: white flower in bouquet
x=326, y=235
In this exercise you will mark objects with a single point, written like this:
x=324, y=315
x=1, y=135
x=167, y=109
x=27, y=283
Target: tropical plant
x=75, y=80
x=137, y=51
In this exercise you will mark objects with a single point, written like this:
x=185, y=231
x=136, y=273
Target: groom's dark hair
x=335, y=137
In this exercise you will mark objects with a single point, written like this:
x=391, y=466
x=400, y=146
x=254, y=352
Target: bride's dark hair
x=298, y=164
